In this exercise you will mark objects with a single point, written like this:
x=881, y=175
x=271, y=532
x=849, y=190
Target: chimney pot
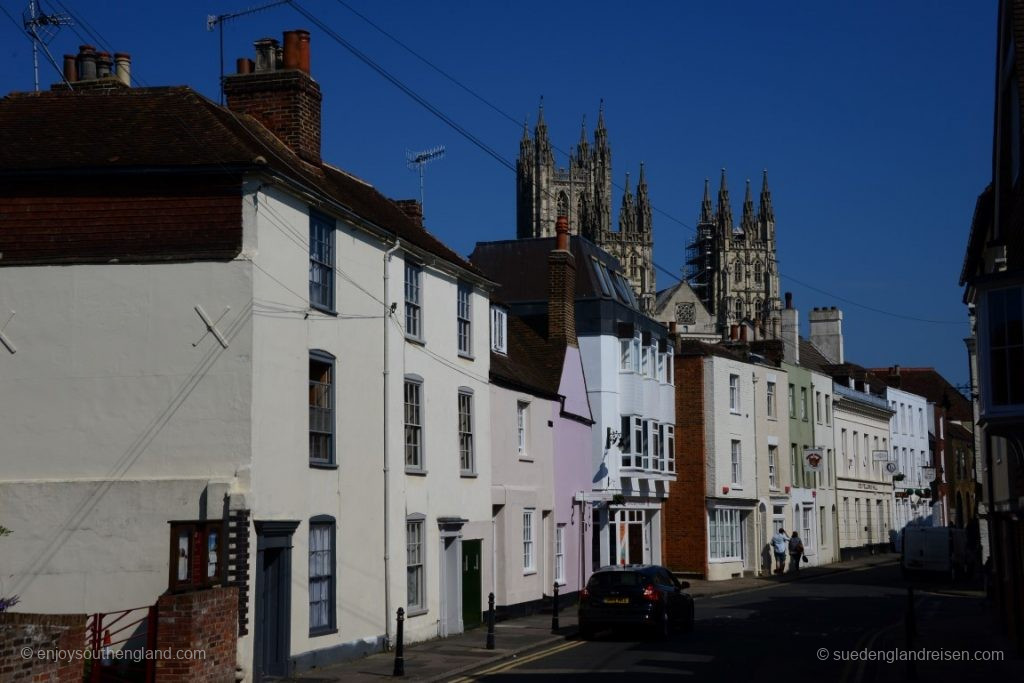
x=123, y=61
x=291, y=50
x=304, y=58
x=266, y=55
x=103, y=65
x=789, y=299
x=244, y=66
x=734, y=332
x=70, y=69
x=86, y=63
x=743, y=332
x=562, y=234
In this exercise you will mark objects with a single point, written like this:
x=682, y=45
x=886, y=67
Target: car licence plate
x=616, y=601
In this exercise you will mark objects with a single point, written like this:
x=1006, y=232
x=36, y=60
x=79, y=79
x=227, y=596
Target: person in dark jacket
x=796, y=551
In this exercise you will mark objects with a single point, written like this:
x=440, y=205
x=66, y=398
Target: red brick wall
x=201, y=620
x=685, y=524
x=286, y=102
x=50, y=632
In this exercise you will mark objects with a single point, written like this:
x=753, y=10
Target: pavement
x=442, y=659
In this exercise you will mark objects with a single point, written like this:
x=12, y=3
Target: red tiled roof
x=929, y=383
x=66, y=135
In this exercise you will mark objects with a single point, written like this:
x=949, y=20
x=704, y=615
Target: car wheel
x=586, y=631
x=662, y=628
x=688, y=620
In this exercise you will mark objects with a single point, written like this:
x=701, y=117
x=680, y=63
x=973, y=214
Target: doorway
x=627, y=538
x=272, y=637
x=472, y=610
x=450, y=617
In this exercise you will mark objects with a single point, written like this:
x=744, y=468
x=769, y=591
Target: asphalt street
x=847, y=627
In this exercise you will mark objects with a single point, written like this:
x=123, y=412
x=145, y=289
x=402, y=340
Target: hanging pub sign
x=812, y=460
x=928, y=474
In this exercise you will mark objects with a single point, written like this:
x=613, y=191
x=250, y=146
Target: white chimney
x=790, y=332
x=827, y=332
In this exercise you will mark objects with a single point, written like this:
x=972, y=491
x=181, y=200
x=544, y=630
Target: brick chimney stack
x=279, y=92
x=562, y=288
x=411, y=208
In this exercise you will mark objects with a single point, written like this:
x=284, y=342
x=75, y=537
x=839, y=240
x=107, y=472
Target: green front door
x=471, y=607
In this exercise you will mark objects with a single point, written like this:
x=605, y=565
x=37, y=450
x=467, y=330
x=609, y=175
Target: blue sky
x=873, y=119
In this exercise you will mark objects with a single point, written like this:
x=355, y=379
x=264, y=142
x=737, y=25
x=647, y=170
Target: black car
x=645, y=596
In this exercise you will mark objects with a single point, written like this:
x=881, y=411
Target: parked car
x=935, y=549
x=647, y=597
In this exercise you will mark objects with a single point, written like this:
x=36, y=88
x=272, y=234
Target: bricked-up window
x=414, y=424
x=1005, y=312
x=413, y=301
x=670, y=448
x=321, y=262
x=467, y=461
x=321, y=408
x=725, y=534
x=773, y=467
x=736, y=455
x=528, y=554
x=771, y=399
x=734, y=393
x=416, y=597
x=464, y=316
x=321, y=575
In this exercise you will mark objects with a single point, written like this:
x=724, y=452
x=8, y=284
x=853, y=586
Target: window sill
x=323, y=465
x=525, y=458
x=735, y=487
x=772, y=418
x=529, y=572
x=326, y=311
x=322, y=631
x=416, y=612
x=466, y=356
x=416, y=340
x=468, y=475
x=415, y=471
x=723, y=560
x=733, y=411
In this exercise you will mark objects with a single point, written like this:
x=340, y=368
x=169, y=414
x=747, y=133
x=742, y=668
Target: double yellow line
x=518, y=662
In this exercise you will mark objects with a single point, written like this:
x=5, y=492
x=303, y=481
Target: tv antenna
x=415, y=161
x=217, y=21
x=42, y=28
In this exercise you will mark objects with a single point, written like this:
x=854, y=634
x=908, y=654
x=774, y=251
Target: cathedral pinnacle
x=724, y=208
x=767, y=213
x=748, y=222
x=707, y=214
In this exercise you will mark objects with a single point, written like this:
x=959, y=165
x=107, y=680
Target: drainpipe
x=758, y=523
x=388, y=310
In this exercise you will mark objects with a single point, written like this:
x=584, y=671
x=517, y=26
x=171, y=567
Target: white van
x=938, y=549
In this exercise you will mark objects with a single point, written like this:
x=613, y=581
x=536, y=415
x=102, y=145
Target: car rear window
x=616, y=579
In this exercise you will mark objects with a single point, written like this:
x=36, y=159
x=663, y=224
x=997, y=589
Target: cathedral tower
x=583, y=193
x=733, y=269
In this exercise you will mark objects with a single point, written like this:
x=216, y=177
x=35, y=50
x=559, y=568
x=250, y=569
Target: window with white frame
x=467, y=461
x=661, y=368
x=846, y=518
x=846, y=452
x=321, y=261
x=464, y=317
x=639, y=442
x=734, y=393
x=803, y=403
x=499, y=329
x=671, y=364
x=736, y=463
x=771, y=399
x=413, y=300
x=636, y=350
x=658, y=438
x=725, y=534
x=413, y=424
x=560, y=554
x=522, y=415
x=818, y=408
x=416, y=587
x=645, y=367
x=828, y=409
x=321, y=408
x=794, y=463
x=670, y=448
x=792, y=401
x=529, y=561
x=625, y=443
x=321, y=575
x=626, y=355
x=645, y=451
x=920, y=421
x=773, y=466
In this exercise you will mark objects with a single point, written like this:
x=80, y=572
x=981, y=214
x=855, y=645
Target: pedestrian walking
x=780, y=543
x=796, y=551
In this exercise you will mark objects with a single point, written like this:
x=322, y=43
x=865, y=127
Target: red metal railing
x=125, y=639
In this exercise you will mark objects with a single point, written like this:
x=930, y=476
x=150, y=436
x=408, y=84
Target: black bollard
x=554, y=609
x=399, y=649
x=911, y=633
x=490, y=621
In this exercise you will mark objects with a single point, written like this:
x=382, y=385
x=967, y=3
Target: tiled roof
x=811, y=358
x=532, y=364
x=957, y=431
x=929, y=383
x=135, y=130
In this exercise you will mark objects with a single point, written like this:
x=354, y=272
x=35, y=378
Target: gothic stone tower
x=734, y=269
x=583, y=193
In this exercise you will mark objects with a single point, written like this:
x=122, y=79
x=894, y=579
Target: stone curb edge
x=505, y=656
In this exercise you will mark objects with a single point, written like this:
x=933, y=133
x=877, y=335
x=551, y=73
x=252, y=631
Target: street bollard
x=911, y=632
x=399, y=649
x=554, y=609
x=490, y=621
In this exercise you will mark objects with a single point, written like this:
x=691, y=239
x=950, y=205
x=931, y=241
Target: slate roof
x=175, y=129
x=532, y=364
x=929, y=383
x=811, y=358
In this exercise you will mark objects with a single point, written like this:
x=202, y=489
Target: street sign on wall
x=879, y=456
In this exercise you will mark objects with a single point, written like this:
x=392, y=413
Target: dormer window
x=499, y=330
